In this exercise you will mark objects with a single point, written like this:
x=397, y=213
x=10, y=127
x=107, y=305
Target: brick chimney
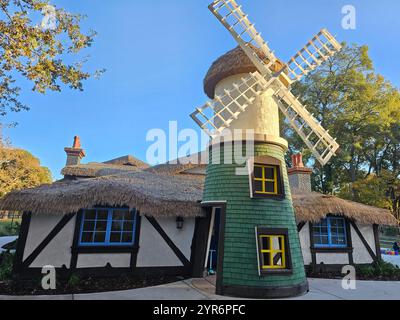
x=299, y=175
x=75, y=154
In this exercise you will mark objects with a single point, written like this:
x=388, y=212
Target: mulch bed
x=338, y=276
x=84, y=285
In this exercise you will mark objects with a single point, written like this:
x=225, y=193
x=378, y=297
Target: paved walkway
x=203, y=289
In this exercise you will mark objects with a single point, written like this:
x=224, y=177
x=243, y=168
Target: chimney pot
x=299, y=175
x=75, y=154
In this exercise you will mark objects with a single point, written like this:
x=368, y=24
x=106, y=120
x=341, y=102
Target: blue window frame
x=330, y=233
x=108, y=227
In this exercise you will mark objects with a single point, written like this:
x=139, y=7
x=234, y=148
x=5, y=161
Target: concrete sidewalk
x=203, y=289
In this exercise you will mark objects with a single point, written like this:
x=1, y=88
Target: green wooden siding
x=244, y=214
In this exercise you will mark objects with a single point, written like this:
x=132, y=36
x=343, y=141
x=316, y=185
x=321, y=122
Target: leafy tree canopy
x=362, y=110
x=19, y=170
x=38, y=53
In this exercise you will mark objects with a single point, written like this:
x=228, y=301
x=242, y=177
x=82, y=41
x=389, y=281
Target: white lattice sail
x=319, y=49
x=230, y=14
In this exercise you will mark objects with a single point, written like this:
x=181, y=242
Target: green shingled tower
x=239, y=274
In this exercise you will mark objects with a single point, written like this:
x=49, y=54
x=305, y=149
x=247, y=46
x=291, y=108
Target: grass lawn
x=9, y=228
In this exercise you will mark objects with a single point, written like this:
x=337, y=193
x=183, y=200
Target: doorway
x=213, y=241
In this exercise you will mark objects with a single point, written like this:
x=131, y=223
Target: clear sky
x=157, y=53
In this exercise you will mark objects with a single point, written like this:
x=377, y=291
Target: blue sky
x=157, y=53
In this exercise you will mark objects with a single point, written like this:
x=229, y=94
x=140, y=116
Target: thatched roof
x=152, y=194
x=94, y=169
x=314, y=206
x=232, y=63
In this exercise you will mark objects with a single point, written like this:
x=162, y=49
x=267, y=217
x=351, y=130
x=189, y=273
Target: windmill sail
x=230, y=14
x=217, y=115
x=319, y=49
x=317, y=139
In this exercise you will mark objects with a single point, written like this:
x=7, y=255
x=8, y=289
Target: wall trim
x=136, y=244
x=53, y=233
x=377, y=242
x=168, y=240
x=21, y=243
x=366, y=245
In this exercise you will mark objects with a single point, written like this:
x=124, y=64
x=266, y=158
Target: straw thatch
x=312, y=207
x=152, y=194
x=116, y=166
x=232, y=63
x=94, y=169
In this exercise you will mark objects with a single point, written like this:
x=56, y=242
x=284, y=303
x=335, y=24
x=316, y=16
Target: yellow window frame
x=264, y=180
x=272, y=252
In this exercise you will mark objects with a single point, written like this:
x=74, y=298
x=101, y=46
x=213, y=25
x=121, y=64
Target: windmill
x=217, y=115
x=259, y=251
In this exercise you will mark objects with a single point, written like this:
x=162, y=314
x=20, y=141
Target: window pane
x=88, y=226
x=101, y=226
x=102, y=214
x=87, y=237
x=127, y=237
x=276, y=243
x=115, y=237
x=99, y=237
x=258, y=186
x=265, y=243
x=277, y=259
x=121, y=215
x=258, y=172
x=90, y=214
x=266, y=259
x=117, y=225
x=269, y=173
x=128, y=226
x=270, y=187
x=324, y=239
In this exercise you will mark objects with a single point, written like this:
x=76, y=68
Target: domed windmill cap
x=231, y=63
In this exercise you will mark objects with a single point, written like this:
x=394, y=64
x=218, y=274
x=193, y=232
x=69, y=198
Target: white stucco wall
x=58, y=251
x=117, y=260
x=360, y=254
x=39, y=228
x=305, y=244
x=154, y=251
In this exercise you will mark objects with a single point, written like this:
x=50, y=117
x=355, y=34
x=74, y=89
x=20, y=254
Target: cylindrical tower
x=259, y=254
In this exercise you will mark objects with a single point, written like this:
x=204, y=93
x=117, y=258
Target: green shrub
x=74, y=281
x=379, y=269
x=8, y=228
x=6, y=265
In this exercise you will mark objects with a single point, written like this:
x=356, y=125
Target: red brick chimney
x=75, y=154
x=299, y=175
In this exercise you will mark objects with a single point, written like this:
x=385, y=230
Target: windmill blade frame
x=318, y=50
x=230, y=14
x=317, y=139
x=216, y=115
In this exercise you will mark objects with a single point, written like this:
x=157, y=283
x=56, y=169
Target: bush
x=6, y=265
x=8, y=228
x=74, y=281
x=380, y=269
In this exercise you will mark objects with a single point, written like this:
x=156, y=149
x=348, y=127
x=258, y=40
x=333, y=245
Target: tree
x=40, y=54
x=19, y=169
x=362, y=110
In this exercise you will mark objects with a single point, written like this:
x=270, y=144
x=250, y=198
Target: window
x=273, y=250
x=108, y=227
x=266, y=181
x=330, y=233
